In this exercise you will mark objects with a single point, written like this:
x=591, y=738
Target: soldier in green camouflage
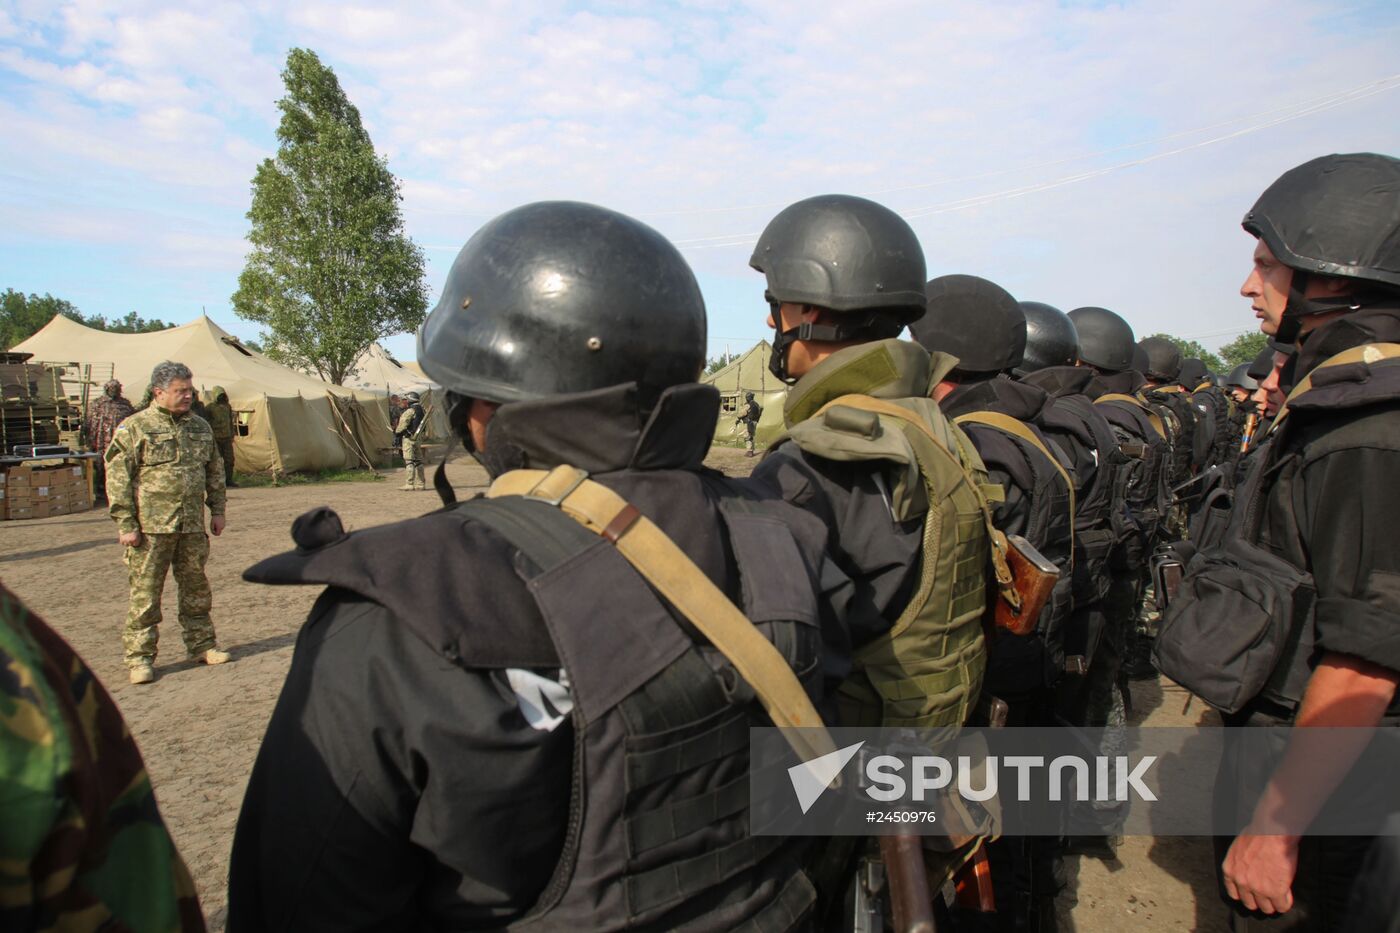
x=221, y=421
x=162, y=468
x=82, y=844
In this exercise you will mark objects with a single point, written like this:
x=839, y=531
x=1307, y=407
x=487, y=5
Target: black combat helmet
x=1140, y=360
x=1336, y=215
x=1240, y=377
x=559, y=297
x=1193, y=372
x=1051, y=339
x=1106, y=341
x=849, y=255
x=1261, y=365
x=1163, y=359
x=975, y=320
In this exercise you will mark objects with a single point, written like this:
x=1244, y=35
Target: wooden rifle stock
x=910, y=899
x=973, y=884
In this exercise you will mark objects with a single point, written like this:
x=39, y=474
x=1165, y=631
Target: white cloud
x=711, y=105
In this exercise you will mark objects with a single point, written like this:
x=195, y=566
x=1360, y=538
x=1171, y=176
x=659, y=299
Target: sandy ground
x=199, y=727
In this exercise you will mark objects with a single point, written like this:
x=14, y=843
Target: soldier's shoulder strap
x=1366, y=353
x=1154, y=418
x=675, y=576
x=985, y=493
x=1017, y=428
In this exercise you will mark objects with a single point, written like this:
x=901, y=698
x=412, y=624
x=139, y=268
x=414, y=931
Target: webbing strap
x=1154, y=418
x=666, y=567
x=656, y=828
x=995, y=419
x=1006, y=582
x=1366, y=353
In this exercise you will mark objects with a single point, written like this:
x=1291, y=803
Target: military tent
x=749, y=373
x=287, y=421
x=376, y=369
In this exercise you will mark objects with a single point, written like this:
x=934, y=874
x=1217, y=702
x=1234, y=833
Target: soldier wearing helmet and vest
x=461, y=747
x=408, y=432
x=1321, y=500
x=1050, y=362
x=869, y=452
x=1016, y=431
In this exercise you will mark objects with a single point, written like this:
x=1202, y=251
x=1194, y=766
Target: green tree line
x=21, y=316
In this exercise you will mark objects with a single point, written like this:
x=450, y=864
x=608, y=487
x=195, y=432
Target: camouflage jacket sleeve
x=80, y=818
x=216, y=495
x=122, y=457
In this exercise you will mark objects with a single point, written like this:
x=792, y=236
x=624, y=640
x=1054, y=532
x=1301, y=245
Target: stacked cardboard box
x=28, y=491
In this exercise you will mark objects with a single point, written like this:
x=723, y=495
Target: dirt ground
x=199, y=727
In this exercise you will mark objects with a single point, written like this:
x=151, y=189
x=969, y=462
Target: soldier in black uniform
x=981, y=324
x=1326, y=273
x=1100, y=473
x=519, y=732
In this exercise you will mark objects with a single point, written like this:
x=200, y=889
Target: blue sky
x=1078, y=154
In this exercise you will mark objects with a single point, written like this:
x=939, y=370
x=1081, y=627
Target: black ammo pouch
x=1236, y=627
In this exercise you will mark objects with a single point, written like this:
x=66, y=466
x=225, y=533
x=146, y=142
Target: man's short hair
x=168, y=371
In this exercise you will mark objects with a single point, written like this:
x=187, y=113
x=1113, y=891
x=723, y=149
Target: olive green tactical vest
x=926, y=671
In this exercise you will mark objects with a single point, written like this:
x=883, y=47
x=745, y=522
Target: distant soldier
x=408, y=434
x=748, y=417
x=78, y=819
x=162, y=469
x=103, y=416
x=221, y=420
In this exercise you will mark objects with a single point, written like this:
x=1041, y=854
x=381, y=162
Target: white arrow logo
x=811, y=778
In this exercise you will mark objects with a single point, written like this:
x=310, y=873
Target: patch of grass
x=254, y=480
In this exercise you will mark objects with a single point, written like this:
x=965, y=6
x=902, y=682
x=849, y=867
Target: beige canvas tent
x=288, y=421
x=377, y=370
x=749, y=373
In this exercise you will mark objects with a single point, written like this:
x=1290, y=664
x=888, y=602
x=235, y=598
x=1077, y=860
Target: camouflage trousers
x=412, y=450
x=225, y=446
x=146, y=569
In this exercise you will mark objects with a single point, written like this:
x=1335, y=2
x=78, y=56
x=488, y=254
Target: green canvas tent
x=749, y=373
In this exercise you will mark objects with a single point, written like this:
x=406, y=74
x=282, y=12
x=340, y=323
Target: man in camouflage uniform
x=162, y=468
x=78, y=819
x=103, y=416
x=222, y=422
x=409, y=433
x=748, y=417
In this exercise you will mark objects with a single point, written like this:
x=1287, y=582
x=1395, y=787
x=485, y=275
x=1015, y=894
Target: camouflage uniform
x=103, y=417
x=410, y=433
x=82, y=845
x=161, y=470
x=221, y=421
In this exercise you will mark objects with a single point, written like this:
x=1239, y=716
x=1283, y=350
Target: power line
x=1319, y=105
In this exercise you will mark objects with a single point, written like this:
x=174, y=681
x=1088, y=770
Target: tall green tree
x=331, y=270
x=1193, y=348
x=1244, y=348
x=22, y=316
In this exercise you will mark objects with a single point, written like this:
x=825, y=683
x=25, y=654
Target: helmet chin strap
x=1299, y=306
x=807, y=330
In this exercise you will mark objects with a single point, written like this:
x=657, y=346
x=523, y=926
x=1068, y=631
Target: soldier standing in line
x=78, y=819
x=408, y=432
x=529, y=677
x=748, y=417
x=221, y=421
x=162, y=469
x=104, y=415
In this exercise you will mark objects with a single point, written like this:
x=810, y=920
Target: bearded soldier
x=104, y=415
